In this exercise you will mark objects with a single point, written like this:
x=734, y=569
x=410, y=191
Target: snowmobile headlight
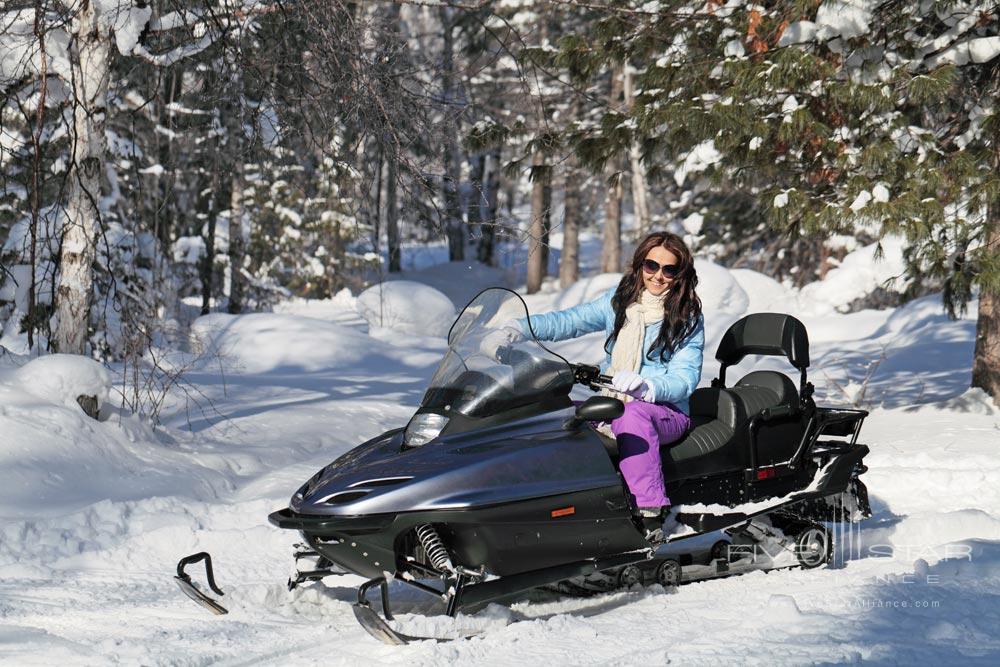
x=423, y=428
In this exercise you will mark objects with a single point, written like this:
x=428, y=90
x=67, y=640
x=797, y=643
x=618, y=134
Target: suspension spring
x=436, y=552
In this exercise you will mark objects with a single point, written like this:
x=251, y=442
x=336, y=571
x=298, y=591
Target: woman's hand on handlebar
x=632, y=384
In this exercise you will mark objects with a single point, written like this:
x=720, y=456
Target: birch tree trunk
x=569, y=261
x=640, y=200
x=538, y=234
x=611, y=251
x=89, y=56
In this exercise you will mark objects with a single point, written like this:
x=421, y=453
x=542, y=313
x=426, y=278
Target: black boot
x=652, y=523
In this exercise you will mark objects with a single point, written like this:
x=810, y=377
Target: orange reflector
x=563, y=511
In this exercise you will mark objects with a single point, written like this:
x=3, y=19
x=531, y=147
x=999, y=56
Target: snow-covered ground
x=95, y=514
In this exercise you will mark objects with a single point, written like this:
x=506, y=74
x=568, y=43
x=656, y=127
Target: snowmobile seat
x=760, y=390
x=720, y=415
x=717, y=414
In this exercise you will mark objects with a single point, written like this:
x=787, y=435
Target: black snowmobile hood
x=529, y=458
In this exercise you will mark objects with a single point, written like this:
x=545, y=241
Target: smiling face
x=658, y=283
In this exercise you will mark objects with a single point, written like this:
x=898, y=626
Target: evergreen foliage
x=846, y=117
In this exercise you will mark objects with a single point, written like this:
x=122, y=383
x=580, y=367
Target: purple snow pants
x=640, y=432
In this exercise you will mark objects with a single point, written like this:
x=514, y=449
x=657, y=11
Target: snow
x=61, y=378
x=845, y=19
x=976, y=50
x=798, y=32
x=126, y=21
x=407, y=307
x=692, y=224
x=734, y=49
x=858, y=274
x=701, y=157
x=95, y=514
x=189, y=249
x=861, y=200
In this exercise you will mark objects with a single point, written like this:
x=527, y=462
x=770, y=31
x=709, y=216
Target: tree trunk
x=539, y=223
x=986, y=360
x=163, y=183
x=452, y=171
x=611, y=252
x=392, y=214
x=237, y=242
x=491, y=193
x=477, y=196
x=377, y=190
x=89, y=57
x=569, y=261
x=640, y=200
x=546, y=219
x=207, y=268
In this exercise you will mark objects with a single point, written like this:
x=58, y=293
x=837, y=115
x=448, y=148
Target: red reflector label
x=766, y=473
x=563, y=511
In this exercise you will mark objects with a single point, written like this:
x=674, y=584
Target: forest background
x=243, y=151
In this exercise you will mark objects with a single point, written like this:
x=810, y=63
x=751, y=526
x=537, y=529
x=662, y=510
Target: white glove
x=508, y=333
x=633, y=384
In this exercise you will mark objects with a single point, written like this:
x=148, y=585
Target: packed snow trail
x=94, y=515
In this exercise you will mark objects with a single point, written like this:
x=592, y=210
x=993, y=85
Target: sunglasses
x=652, y=266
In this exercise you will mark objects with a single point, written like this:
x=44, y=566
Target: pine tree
x=841, y=117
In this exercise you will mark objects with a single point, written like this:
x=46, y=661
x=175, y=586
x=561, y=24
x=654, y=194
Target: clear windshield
x=488, y=368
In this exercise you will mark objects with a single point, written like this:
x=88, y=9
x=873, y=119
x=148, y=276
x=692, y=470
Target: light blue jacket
x=672, y=380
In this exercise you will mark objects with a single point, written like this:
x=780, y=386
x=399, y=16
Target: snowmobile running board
x=464, y=594
x=188, y=587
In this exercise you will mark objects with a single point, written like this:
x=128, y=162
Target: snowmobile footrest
x=709, y=523
x=187, y=586
x=518, y=583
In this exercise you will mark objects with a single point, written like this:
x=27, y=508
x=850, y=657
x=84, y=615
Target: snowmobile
x=500, y=483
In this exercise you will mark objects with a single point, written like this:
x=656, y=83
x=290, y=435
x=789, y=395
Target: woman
x=655, y=341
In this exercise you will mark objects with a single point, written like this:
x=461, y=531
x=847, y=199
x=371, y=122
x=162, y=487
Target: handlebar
x=590, y=376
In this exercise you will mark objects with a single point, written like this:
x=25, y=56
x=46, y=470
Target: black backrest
x=768, y=334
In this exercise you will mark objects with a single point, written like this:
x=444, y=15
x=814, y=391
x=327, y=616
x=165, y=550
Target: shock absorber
x=436, y=552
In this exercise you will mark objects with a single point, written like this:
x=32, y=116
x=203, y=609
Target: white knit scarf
x=627, y=353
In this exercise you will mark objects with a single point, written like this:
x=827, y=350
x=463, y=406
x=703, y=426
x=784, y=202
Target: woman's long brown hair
x=681, y=308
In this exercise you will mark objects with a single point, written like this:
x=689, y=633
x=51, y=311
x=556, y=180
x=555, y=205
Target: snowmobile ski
x=191, y=590
x=380, y=629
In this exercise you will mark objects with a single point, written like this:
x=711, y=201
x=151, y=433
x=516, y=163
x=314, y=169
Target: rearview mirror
x=597, y=409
